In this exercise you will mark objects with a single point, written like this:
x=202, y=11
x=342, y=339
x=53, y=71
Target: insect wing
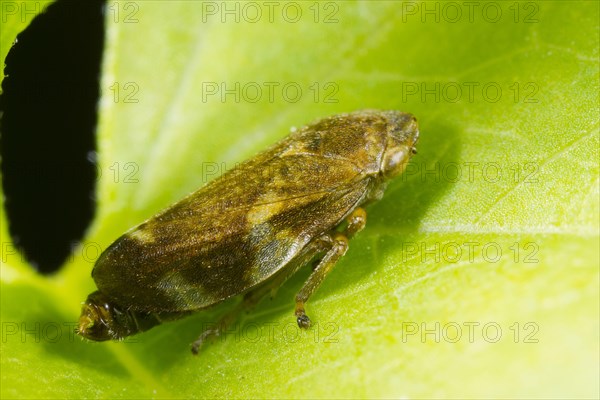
x=232, y=234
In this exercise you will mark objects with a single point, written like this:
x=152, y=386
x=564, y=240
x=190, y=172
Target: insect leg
x=338, y=244
x=356, y=222
x=253, y=297
x=250, y=300
x=216, y=330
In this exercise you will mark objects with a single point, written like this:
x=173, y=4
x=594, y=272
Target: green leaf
x=477, y=274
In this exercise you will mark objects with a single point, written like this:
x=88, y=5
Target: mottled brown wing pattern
x=223, y=240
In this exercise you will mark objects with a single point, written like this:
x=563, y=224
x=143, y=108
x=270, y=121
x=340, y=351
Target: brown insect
x=249, y=230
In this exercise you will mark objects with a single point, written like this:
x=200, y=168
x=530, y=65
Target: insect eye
x=394, y=161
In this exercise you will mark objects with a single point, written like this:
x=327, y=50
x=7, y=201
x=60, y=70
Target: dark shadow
x=48, y=111
x=430, y=173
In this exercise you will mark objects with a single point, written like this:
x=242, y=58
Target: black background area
x=47, y=143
